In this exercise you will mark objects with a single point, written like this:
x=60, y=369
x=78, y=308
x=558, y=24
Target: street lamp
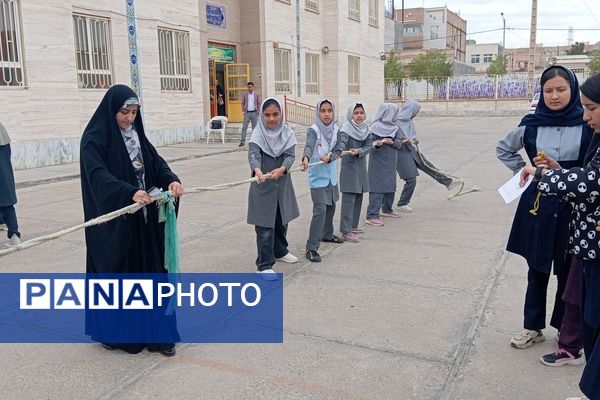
x=503, y=32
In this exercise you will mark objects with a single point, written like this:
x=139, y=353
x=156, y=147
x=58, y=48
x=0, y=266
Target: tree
x=498, y=66
x=393, y=69
x=430, y=65
x=594, y=64
x=577, y=48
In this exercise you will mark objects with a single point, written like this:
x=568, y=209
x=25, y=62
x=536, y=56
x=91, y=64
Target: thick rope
x=125, y=210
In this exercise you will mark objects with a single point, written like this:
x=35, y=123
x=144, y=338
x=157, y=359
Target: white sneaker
x=288, y=258
x=405, y=209
x=268, y=274
x=14, y=240
x=526, y=338
x=3, y=227
x=456, y=182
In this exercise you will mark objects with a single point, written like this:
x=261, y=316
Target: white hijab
x=385, y=122
x=4, y=138
x=407, y=113
x=354, y=130
x=273, y=141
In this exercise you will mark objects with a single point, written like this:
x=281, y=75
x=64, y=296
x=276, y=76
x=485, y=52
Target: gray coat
x=8, y=195
x=353, y=173
x=406, y=166
x=382, y=166
x=264, y=199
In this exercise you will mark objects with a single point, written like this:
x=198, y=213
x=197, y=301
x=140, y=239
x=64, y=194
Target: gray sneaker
x=526, y=338
x=14, y=240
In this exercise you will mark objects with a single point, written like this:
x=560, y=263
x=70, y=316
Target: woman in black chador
x=119, y=166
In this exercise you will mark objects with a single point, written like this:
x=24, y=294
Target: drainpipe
x=298, y=83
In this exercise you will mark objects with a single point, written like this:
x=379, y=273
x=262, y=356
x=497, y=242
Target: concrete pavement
x=422, y=308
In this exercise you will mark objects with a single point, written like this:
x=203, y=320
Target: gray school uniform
x=405, y=165
x=353, y=174
x=323, y=195
x=382, y=166
x=264, y=199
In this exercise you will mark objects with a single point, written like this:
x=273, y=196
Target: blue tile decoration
x=133, y=49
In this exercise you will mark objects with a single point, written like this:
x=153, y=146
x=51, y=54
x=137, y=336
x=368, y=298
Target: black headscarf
x=108, y=182
x=571, y=115
x=591, y=88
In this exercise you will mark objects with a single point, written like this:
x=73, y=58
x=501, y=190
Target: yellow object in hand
x=540, y=154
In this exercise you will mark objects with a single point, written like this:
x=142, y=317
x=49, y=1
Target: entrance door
x=212, y=66
x=236, y=80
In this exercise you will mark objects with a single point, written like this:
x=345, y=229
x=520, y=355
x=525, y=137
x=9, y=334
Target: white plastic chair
x=221, y=130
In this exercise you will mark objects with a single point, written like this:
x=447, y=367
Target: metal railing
x=510, y=86
x=297, y=112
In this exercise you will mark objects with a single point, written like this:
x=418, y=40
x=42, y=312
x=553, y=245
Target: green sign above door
x=221, y=54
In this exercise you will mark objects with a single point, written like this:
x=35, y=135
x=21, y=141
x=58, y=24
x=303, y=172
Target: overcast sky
x=484, y=15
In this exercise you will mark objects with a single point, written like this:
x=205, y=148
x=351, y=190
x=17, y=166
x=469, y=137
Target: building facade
x=59, y=57
x=433, y=28
x=481, y=56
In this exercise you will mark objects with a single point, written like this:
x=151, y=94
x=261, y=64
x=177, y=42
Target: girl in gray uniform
x=271, y=200
x=382, y=163
x=357, y=142
x=322, y=143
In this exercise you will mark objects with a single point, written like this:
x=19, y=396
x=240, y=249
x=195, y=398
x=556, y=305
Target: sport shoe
x=268, y=274
x=393, y=214
x=3, y=227
x=562, y=357
x=456, y=182
x=375, y=222
x=313, y=256
x=333, y=239
x=288, y=258
x=350, y=237
x=405, y=209
x=241, y=145
x=15, y=240
x=358, y=230
x=526, y=339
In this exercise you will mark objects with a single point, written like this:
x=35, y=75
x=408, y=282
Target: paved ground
x=422, y=308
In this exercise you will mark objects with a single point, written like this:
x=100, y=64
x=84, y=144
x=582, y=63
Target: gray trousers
x=248, y=116
x=411, y=183
x=380, y=201
x=409, y=188
x=321, y=225
x=351, y=206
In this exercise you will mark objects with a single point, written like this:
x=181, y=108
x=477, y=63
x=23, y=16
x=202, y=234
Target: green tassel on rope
x=166, y=214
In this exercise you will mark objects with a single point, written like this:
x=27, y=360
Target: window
x=474, y=58
x=11, y=53
x=354, y=9
x=488, y=58
x=433, y=32
x=285, y=1
x=353, y=74
x=173, y=55
x=374, y=12
x=93, y=53
x=282, y=71
x=312, y=5
x=311, y=72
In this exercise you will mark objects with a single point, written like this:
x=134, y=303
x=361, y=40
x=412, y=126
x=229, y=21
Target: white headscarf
x=407, y=113
x=354, y=130
x=385, y=122
x=4, y=138
x=326, y=130
x=273, y=141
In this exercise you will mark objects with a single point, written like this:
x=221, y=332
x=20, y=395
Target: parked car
x=534, y=102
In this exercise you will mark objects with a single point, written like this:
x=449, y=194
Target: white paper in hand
x=511, y=189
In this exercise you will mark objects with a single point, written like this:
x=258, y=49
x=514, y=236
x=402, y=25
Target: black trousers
x=535, y=300
x=271, y=243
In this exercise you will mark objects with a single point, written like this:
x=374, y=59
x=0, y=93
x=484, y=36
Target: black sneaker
x=313, y=256
x=241, y=145
x=333, y=239
x=167, y=350
x=562, y=357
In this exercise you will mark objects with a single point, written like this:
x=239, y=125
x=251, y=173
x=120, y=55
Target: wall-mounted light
x=382, y=55
x=325, y=50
